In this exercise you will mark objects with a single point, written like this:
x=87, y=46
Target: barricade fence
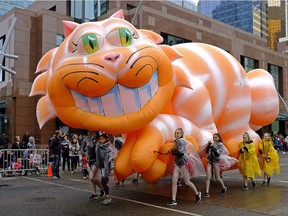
x=15, y=162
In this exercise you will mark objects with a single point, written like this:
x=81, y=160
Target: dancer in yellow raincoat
x=248, y=162
x=269, y=159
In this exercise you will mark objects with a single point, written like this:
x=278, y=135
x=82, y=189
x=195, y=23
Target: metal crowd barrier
x=15, y=162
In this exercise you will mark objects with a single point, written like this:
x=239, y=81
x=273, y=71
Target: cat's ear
x=68, y=27
x=170, y=52
x=119, y=14
x=180, y=78
x=156, y=38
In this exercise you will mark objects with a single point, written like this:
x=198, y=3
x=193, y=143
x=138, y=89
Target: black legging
x=65, y=157
x=105, y=186
x=73, y=163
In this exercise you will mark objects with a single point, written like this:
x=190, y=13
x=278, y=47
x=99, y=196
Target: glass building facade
x=249, y=63
x=266, y=18
x=173, y=40
x=6, y=6
x=277, y=22
x=188, y=4
x=87, y=10
x=250, y=16
x=277, y=74
x=284, y=18
x=206, y=7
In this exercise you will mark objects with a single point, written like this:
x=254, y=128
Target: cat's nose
x=112, y=57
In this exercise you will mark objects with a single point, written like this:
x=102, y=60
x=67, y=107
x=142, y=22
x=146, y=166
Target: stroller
x=17, y=167
x=35, y=162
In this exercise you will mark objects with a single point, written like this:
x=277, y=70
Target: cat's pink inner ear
x=171, y=53
x=118, y=14
x=68, y=27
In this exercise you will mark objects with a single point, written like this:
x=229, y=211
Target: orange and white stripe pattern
x=147, y=91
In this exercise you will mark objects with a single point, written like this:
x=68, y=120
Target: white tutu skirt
x=226, y=162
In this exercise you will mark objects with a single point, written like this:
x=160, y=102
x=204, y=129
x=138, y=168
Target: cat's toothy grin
x=118, y=101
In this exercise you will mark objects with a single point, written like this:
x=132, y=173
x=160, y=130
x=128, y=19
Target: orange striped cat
x=109, y=76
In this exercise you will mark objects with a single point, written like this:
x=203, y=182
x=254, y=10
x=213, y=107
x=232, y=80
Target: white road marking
x=77, y=180
x=120, y=198
x=283, y=181
x=8, y=178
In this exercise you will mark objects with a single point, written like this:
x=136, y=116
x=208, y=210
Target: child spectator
x=84, y=163
x=35, y=161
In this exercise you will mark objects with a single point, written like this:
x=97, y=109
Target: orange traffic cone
x=49, y=173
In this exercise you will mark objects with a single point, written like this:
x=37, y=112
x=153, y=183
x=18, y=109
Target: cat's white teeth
x=118, y=101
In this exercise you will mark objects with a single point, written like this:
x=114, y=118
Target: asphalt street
x=40, y=195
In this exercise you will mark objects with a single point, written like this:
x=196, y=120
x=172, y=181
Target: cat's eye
x=121, y=37
x=90, y=43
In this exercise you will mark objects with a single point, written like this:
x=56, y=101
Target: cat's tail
x=264, y=97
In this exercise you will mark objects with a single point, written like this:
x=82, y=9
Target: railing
x=15, y=162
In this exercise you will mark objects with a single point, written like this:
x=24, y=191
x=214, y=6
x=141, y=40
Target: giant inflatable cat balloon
x=109, y=76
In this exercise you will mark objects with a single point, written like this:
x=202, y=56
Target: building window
x=277, y=74
x=85, y=11
x=190, y=5
x=130, y=7
x=172, y=40
x=53, y=8
x=2, y=74
x=101, y=7
x=59, y=39
x=76, y=9
x=249, y=63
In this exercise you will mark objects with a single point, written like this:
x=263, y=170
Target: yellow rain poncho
x=271, y=162
x=248, y=162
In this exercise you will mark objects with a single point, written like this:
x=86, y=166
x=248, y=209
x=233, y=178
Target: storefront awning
x=282, y=116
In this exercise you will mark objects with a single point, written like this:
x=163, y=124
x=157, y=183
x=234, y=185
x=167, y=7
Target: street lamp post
x=3, y=51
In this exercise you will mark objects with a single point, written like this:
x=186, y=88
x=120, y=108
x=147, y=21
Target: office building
x=205, y=7
x=6, y=5
x=249, y=16
x=39, y=29
x=267, y=19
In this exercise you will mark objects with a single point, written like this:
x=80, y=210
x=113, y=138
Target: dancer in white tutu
x=184, y=165
x=218, y=160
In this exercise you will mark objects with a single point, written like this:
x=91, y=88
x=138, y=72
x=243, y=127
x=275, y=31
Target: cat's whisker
x=80, y=64
x=138, y=50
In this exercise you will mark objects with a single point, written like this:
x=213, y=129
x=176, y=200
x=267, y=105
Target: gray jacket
x=105, y=156
x=180, y=146
x=214, y=152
